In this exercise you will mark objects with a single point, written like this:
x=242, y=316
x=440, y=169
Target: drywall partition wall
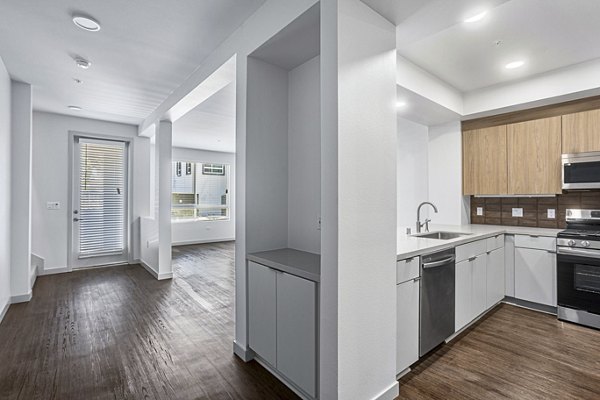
x=304, y=157
x=20, y=212
x=445, y=174
x=366, y=203
x=51, y=182
x=194, y=231
x=412, y=175
x=4, y=188
x=164, y=140
x=266, y=157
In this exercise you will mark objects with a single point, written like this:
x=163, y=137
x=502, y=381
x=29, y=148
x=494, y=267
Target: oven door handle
x=578, y=252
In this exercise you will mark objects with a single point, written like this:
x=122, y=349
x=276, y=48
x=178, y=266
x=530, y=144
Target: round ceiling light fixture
x=82, y=62
x=86, y=23
x=74, y=108
x=515, y=64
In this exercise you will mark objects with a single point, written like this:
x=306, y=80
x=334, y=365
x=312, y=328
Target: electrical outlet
x=517, y=212
x=53, y=205
x=479, y=211
x=551, y=213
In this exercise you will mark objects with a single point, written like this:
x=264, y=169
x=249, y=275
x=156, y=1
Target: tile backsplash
x=498, y=210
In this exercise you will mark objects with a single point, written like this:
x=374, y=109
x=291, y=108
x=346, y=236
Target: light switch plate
x=517, y=212
x=479, y=211
x=551, y=213
x=53, y=205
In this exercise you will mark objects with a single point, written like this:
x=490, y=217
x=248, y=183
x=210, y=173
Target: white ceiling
x=144, y=51
x=209, y=126
x=547, y=34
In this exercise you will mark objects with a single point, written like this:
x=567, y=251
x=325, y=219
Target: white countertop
x=410, y=246
x=295, y=262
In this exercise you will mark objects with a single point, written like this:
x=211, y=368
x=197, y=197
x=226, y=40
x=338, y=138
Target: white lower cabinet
x=479, y=281
x=282, y=323
x=262, y=311
x=407, y=324
x=462, y=295
x=297, y=330
x=495, y=277
x=535, y=275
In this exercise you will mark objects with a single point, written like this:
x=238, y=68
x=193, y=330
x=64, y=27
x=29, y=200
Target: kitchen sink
x=441, y=235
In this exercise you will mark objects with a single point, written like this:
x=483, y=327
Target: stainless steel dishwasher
x=436, y=303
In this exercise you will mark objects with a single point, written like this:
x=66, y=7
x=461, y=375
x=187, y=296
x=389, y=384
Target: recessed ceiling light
x=476, y=17
x=74, y=108
x=401, y=104
x=86, y=23
x=82, y=63
x=515, y=64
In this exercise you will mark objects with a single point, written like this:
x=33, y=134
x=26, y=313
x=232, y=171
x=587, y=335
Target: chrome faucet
x=427, y=220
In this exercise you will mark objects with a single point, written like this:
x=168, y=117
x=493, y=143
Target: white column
x=164, y=158
x=21, y=117
x=361, y=255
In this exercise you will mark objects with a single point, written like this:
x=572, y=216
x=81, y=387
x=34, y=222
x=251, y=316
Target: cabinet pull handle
x=534, y=236
x=551, y=251
x=473, y=258
x=417, y=279
x=409, y=259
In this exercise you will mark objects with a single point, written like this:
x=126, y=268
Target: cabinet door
x=534, y=157
x=535, y=276
x=479, y=282
x=495, y=277
x=407, y=324
x=462, y=295
x=581, y=132
x=262, y=311
x=297, y=331
x=484, y=161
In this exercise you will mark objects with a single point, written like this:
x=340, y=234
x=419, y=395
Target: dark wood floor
x=511, y=354
x=117, y=333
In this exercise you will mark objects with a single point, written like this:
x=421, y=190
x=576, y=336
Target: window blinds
x=102, y=198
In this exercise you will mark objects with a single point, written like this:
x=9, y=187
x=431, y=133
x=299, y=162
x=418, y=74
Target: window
x=200, y=191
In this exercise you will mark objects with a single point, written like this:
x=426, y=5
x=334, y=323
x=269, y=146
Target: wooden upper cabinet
x=534, y=157
x=484, y=161
x=581, y=132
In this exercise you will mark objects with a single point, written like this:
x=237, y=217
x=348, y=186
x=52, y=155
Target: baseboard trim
x=4, y=310
x=151, y=271
x=192, y=242
x=54, y=271
x=530, y=305
x=244, y=354
x=22, y=298
x=390, y=393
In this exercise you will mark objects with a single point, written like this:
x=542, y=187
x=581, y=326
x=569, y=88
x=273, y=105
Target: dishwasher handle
x=439, y=263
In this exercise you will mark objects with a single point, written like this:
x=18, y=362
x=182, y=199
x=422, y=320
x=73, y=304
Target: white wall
x=304, y=157
x=51, y=182
x=20, y=213
x=186, y=232
x=445, y=174
x=5, y=129
x=367, y=136
x=413, y=172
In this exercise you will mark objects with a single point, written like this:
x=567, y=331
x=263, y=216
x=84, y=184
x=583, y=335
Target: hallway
x=118, y=333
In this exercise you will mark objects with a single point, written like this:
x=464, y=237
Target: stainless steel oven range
x=578, y=268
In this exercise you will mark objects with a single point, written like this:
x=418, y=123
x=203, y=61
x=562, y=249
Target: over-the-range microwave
x=581, y=171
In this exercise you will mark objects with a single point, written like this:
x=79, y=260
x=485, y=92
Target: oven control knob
x=571, y=243
x=585, y=243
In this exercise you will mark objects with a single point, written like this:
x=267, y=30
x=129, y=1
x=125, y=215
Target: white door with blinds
x=99, y=206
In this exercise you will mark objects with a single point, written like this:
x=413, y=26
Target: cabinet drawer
x=466, y=251
x=495, y=242
x=535, y=242
x=407, y=269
